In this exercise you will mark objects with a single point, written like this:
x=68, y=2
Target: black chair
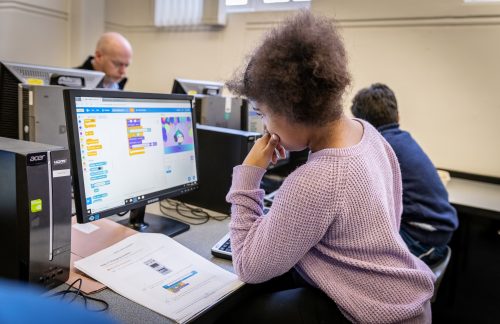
x=439, y=269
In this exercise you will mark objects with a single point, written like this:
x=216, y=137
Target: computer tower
x=42, y=114
x=35, y=209
x=219, y=150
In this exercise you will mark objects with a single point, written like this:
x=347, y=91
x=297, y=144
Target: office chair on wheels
x=439, y=270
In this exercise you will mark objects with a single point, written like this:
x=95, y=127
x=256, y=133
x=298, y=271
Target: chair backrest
x=439, y=270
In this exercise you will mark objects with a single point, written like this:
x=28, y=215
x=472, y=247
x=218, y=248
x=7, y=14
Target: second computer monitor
x=197, y=87
x=129, y=149
x=21, y=108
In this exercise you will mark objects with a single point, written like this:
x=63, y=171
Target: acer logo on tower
x=36, y=159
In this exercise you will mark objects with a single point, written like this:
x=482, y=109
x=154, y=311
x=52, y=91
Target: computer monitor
x=197, y=87
x=128, y=150
x=14, y=74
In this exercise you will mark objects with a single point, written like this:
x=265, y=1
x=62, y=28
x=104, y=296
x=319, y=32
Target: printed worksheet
x=159, y=273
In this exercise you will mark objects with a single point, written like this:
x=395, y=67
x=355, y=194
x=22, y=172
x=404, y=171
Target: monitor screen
x=197, y=87
x=129, y=149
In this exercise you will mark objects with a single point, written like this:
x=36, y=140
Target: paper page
x=85, y=228
x=157, y=272
x=89, y=285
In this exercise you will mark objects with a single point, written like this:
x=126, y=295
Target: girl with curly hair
x=329, y=249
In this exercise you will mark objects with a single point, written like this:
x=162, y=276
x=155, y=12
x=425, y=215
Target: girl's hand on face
x=265, y=151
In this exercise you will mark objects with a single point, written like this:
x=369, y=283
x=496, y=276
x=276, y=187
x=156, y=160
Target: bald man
x=113, y=55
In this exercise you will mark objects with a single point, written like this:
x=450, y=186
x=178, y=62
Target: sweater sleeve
x=397, y=184
x=268, y=246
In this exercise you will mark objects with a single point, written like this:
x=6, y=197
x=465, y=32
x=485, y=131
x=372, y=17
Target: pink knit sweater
x=336, y=220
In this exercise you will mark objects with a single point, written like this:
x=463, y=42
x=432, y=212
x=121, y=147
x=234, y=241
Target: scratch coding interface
x=132, y=147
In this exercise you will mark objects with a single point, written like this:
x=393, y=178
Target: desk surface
x=199, y=238
x=474, y=194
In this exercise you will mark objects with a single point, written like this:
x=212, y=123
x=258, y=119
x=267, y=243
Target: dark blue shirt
x=425, y=199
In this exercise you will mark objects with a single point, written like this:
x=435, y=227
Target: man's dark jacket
x=87, y=65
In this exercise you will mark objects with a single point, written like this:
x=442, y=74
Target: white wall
x=442, y=60
x=160, y=55
x=50, y=32
x=85, y=28
x=34, y=31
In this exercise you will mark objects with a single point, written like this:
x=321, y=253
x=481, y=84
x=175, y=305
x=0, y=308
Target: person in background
x=329, y=249
x=113, y=55
x=428, y=219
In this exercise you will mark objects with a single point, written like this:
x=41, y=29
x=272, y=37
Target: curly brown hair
x=299, y=71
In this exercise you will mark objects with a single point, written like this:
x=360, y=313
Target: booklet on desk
x=89, y=238
x=159, y=273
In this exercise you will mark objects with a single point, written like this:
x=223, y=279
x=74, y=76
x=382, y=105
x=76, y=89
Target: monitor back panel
x=219, y=150
x=9, y=125
x=219, y=111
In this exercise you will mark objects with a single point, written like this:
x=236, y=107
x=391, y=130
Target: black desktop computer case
x=35, y=209
x=219, y=151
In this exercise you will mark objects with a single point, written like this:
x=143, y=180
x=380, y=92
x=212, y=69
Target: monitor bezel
x=180, y=83
x=91, y=78
x=77, y=172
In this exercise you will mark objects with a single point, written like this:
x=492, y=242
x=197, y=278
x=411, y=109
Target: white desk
x=478, y=196
x=474, y=194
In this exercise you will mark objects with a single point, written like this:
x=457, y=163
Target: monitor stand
x=149, y=223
